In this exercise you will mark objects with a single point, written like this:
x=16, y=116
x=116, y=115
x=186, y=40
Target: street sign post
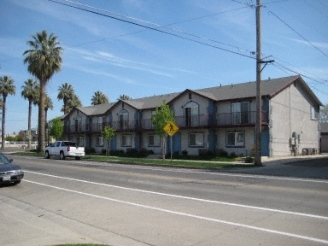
x=171, y=128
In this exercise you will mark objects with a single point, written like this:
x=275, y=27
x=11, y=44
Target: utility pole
x=259, y=62
x=258, y=127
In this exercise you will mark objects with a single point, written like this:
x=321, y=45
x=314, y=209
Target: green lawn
x=214, y=163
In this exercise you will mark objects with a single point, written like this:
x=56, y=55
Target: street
x=88, y=202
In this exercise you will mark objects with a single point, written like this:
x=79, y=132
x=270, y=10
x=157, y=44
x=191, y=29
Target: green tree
x=43, y=60
x=124, y=97
x=160, y=118
x=99, y=98
x=108, y=133
x=7, y=87
x=30, y=91
x=57, y=128
x=74, y=102
x=65, y=93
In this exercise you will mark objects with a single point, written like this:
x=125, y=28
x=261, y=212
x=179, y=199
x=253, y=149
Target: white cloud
x=321, y=45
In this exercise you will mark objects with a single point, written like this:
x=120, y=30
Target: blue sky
x=101, y=53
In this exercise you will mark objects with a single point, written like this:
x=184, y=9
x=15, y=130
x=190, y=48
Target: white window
x=191, y=114
x=80, y=141
x=124, y=119
x=314, y=113
x=240, y=113
x=196, y=139
x=126, y=140
x=154, y=140
x=235, y=139
x=100, y=141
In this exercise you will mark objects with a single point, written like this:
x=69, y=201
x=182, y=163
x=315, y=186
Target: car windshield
x=3, y=159
x=71, y=144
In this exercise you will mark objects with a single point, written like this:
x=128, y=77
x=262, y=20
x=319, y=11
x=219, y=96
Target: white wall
x=290, y=112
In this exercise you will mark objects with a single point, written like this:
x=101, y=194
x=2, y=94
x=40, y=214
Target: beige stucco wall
x=290, y=112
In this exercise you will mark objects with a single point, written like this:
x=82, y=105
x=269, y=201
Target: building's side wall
x=290, y=112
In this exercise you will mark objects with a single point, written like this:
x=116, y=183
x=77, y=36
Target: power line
x=154, y=26
x=270, y=12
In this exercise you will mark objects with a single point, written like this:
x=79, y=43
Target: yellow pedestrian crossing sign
x=171, y=128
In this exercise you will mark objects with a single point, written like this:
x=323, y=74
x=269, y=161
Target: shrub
x=249, y=159
x=120, y=153
x=233, y=155
x=89, y=151
x=223, y=153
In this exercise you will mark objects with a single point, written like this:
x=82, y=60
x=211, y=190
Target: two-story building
x=213, y=119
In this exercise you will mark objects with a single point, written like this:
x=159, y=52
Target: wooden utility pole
x=258, y=127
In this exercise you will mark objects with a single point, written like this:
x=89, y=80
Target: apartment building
x=213, y=119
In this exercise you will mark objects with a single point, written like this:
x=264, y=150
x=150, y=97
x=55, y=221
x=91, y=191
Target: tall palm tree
x=7, y=87
x=44, y=60
x=47, y=105
x=65, y=93
x=99, y=98
x=30, y=91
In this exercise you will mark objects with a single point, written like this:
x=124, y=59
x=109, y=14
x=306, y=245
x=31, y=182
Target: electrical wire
x=306, y=40
x=151, y=26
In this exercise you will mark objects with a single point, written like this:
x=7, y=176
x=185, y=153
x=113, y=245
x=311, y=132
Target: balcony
x=246, y=119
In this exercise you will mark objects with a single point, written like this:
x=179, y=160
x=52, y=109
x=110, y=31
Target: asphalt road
x=84, y=202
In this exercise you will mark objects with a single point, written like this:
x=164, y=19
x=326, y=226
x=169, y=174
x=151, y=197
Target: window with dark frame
x=153, y=140
x=196, y=139
x=126, y=140
x=235, y=139
x=191, y=114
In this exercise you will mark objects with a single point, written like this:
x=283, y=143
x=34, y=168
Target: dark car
x=9, y=172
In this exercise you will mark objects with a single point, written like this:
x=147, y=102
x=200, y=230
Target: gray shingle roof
x=269, y=88
x=248, y=90
x=96, y=109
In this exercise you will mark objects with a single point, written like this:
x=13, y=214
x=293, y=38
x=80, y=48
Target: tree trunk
x=29, y=123
x=3, y=123
x=163, y=147
x=41, y=127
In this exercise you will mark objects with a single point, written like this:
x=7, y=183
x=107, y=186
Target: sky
x=144, y=48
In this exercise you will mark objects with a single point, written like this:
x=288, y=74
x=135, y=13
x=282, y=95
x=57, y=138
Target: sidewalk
x=286, y=159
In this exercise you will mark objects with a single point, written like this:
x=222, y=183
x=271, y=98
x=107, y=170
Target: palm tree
x=44, y=60
x=99, y=98
x=65, y=93
x=7, y=87
x=30, y=92
x=124, y=97
x=74, y=102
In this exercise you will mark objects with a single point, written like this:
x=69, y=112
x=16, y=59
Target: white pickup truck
x=64, y=149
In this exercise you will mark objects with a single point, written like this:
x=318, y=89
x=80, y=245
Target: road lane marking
x=314, y=216
x=312, y=239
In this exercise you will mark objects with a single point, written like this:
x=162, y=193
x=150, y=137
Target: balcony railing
x=183, y=122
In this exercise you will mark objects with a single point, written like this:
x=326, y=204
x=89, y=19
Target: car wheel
x=47, y=155
x=77, y=158
x=17, y=182
x=62, y=156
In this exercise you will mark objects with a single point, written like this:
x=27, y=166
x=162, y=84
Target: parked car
x=64, y=149
x=9, y=172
